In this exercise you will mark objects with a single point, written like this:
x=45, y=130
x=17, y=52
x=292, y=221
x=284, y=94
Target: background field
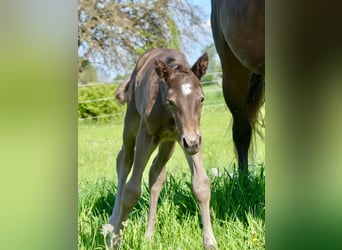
x=238, y=211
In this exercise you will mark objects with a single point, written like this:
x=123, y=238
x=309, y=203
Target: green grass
x=237, y=210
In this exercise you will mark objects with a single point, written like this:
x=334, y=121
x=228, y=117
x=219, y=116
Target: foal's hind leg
x=156, y=179
x=132, y=189
x=124, y=160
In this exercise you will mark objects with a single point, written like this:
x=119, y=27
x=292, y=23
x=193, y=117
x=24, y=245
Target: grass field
x=238, y=211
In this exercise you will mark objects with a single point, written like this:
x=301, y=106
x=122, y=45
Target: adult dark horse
x=239, y=33
x=164, y=101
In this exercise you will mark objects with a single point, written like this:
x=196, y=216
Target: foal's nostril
x=192, y=143
x=185, y=144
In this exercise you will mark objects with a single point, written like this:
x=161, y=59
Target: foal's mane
x=177, y=67
x=180, y=68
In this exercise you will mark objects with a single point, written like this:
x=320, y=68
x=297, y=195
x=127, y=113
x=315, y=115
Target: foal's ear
x=201, y=65
x=163, y=70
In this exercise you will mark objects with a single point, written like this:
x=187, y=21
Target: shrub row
x=108, y=108
x=104, y=109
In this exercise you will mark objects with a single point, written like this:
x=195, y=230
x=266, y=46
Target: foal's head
x=183, y=96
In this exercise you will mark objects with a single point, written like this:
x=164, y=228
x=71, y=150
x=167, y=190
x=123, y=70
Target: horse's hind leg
x=242, y=137
x=235, y=90
x=244, y=113
x=235, y=80
x=157, y=177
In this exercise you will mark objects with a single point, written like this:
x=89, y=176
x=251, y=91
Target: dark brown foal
x=164, y=102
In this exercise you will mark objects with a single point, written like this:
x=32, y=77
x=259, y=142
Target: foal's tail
x=256, y=98
x=121, y=91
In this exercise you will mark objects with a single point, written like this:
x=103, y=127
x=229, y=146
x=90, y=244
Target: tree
x=214, y=66
x=115, y=32
x=88, y=74
x=214, y=61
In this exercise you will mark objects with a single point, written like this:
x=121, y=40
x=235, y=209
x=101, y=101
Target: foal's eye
x=202, y=99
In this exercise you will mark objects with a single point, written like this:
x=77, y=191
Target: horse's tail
x=121, y=91
x=256, y=98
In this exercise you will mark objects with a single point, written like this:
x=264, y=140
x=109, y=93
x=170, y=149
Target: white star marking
x=186, y=88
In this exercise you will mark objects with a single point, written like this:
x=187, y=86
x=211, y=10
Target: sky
x=205, y=4
x=206, y=8
x=106, y=75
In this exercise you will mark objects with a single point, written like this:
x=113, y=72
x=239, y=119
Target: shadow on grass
x=98, y=198
x=234, y=196
x=231, y=197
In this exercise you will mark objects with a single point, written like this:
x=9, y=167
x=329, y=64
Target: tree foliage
x=98, y=101
x=214, y=65
x=116, y=32
x=88, y=74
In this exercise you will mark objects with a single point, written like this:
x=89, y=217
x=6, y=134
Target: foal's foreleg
x=157, y=177
x=201, y=188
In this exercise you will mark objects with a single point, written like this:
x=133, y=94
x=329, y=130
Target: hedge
x=101, y=109
x=106, y=109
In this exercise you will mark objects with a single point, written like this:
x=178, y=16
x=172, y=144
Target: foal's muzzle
x=192, y=143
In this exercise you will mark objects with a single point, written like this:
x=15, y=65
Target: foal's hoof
x=111, y=240
x=210, y=247
x=209, y=243
x=112, y=243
